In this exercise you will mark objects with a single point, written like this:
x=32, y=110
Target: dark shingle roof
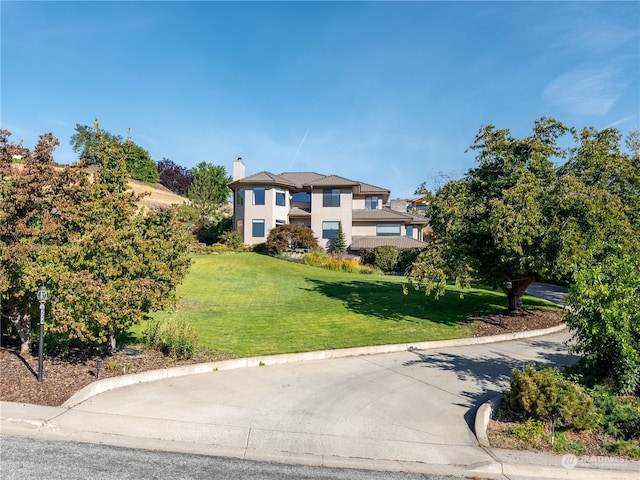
x=386, y=214
x=361, y=242
x=263, y=177
x=366, y=188
x=333, y=181
x=299, y=212
x=302, y=180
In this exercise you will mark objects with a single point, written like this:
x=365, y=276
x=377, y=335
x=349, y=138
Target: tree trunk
x=111, y=349
x=515, y=293
x=22, y=323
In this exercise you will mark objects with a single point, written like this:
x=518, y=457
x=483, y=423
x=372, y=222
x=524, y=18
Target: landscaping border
x=101, y=386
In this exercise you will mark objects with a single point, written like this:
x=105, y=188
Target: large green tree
x=209, y=189
x=516, y=217
x=138, y=162
x=209, y=195
x=106, y=262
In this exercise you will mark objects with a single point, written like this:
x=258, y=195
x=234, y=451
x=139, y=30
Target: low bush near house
x=384, y=257
x=336, y=263
x=232, y=240
x=290, y=237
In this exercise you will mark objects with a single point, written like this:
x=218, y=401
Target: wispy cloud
x=586, y=90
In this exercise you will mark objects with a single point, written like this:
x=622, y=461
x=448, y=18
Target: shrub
x=605, y=317
x=232, y=240
x=530, y=430
x=336, y=263
x=290, y=237
x=407, y=257
x=546, y=394
x=628, y=448
x=173, y=337
x=384, y=257
x=259, y=248
x=620, y=416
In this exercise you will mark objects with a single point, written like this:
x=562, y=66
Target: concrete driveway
x=379, y=411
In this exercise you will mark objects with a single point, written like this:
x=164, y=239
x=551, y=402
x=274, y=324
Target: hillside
x=156, y=195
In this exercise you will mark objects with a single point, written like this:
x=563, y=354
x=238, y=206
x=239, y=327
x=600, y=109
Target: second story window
x=410, y=231
x=280, y=198
x=258, y=195
x=331, y=197
x=301, y=197
x=371, y=203
x=240, y=196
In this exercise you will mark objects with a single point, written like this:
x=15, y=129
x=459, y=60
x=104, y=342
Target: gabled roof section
x=388, y=215
x=305, y=180
x=361, y=242
x=266, y=178
x=333, y=181
x=298, y=212
x=366, y=188
x=301, y=178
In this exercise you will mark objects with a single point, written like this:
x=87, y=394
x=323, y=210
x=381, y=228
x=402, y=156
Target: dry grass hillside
x=155, y=195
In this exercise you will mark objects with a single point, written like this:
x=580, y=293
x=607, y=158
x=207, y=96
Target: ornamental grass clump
x=173, y=337
x=336, y=263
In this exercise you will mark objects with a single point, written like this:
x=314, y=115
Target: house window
x=280, y=198
x=330, y=229
x=258, y=196
x=280, y=222
x=410, y=231
x=301, y=197
x=240, y=197
x=387, y=229
x=331, y=197
x=257, y=228
x=371, y=203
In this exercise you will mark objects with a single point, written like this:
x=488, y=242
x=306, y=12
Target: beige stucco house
x=264, y=200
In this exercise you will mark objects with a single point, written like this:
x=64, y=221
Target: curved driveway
x=402, y=411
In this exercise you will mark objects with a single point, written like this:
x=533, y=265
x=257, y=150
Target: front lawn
x=248, y=304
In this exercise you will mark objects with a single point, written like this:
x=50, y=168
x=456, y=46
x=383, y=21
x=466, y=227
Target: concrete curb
x=101, y=386
x=565, y=467
x=483, y=415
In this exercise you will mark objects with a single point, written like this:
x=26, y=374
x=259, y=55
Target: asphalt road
x=24, y=457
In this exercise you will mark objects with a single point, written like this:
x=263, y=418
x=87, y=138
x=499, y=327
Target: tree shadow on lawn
x=490, y=375
x=386, y=300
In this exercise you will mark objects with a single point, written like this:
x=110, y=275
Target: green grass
x=248, y=304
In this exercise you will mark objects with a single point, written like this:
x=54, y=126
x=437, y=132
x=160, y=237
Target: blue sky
x=388, y=93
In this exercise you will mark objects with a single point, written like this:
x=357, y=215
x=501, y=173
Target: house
x=264, y=200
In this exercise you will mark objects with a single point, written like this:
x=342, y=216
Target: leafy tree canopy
x=517, y=217
x=289, y=237
x=106, y=263
x=175, y=177
x=87, y=142
x=208, y=190
x=604, y=316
